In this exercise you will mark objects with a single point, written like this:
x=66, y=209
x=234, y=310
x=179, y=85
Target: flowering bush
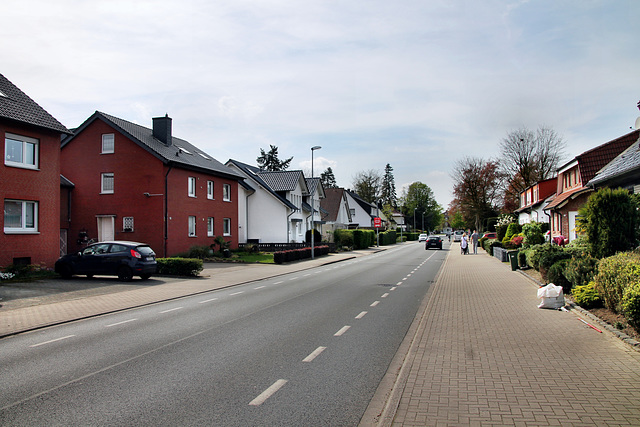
x=517, y=241
x=505, y=219
x=7, y=276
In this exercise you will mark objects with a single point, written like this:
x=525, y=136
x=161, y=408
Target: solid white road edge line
x=268, y=393
x=314, y=354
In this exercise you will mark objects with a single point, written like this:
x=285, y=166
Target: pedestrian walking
x=464, y=244
x=474, y=241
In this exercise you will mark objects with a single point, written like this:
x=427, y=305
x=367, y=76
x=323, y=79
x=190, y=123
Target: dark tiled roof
x=180, y=152
x=16, y=105
x=283, y=180
x=368, y=207
x=331, y=202
x=592, y=161
x=254, y=174
x=314, y=184
x=626, y=162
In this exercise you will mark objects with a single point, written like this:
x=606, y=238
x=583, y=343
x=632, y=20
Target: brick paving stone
x=485, y=355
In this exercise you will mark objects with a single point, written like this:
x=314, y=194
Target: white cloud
x=414, y=84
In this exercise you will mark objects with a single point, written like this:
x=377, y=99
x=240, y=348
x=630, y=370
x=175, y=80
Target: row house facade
x=29, y=179
x=572, y=190
x=130, y=182
x=533, y=199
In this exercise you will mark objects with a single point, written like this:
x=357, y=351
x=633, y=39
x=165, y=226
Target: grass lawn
x=260, y=257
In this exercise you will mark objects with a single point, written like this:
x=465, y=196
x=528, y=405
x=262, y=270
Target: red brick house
x=29, y=179
x=572, y=190
x=141, y=184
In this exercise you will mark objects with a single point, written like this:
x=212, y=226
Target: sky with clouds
x=415, y=84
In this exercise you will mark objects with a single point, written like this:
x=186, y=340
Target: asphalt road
x=308, y=348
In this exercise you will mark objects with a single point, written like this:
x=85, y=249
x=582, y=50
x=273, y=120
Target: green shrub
x=614, y=275
x=533, y=234
x=389, y=237
x=631, y=304
x=548, y=259
x=343, y=237
x=586, y=296
x=609, y=219
x=555, y=275
x=179, y=266
x=501, y=231
x=580, y=271
x=513, y=229
x=538, y=251
x=362, y=239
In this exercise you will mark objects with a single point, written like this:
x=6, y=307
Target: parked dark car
x=433, y=242
x=118, y=258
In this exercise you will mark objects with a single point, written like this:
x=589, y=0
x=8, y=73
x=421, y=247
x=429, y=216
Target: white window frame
x=108, y=143
x=127, y=224
x=104, y=179
x=210, y=189
x=191, y=186
x=226, y=227
x=192, y=226
x=226, y=192
x=210, y=227
x=23, y=228
x=25, y=142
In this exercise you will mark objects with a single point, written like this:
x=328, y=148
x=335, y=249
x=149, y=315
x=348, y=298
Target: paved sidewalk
x=74, y=305
x=482, y=353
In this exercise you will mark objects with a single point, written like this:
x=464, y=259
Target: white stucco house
x=275, y=207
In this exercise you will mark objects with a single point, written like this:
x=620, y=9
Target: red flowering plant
x=516, y=242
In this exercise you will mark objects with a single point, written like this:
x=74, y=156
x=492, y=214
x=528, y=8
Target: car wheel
x=145, y=276
x=125, y=274
x=65, y=272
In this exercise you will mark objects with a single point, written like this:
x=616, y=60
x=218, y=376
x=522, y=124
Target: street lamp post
x=414, y=219
x=422, y=221
x=313, y=188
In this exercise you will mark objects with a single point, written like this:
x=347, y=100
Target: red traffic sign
x=377, y=222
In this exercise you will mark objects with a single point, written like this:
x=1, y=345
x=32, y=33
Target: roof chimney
x=162, y=129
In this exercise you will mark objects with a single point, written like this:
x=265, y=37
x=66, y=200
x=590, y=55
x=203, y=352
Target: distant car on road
x=457, y=235
x=433, y=242
x=422, y=238
x=490, y=235
x=118, y=258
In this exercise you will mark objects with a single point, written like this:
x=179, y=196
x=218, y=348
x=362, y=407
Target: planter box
x=501, y=253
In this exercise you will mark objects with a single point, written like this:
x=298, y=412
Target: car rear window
x=145, y=250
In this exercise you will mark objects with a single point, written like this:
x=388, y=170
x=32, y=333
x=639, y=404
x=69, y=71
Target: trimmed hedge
x=388, y=238
x=179, y=266
x=615, y=274
x=298, y=254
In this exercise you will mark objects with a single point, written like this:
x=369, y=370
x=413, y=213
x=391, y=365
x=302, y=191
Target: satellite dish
x=637, y=126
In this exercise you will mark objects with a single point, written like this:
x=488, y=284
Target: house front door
x=106, y=228
x=572, y=226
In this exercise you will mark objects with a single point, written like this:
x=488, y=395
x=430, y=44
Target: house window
x=108, y=143
x=226, y=192
x=210, y=227
x=127, y=224
x=192, y=187
x=192, y=226
x=210, y=190
x=353, y=212
x=107, y=183
x=20, y=216
x=20, y=151
x=226, y=227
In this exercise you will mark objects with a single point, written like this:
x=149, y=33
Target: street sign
x=377, y=222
